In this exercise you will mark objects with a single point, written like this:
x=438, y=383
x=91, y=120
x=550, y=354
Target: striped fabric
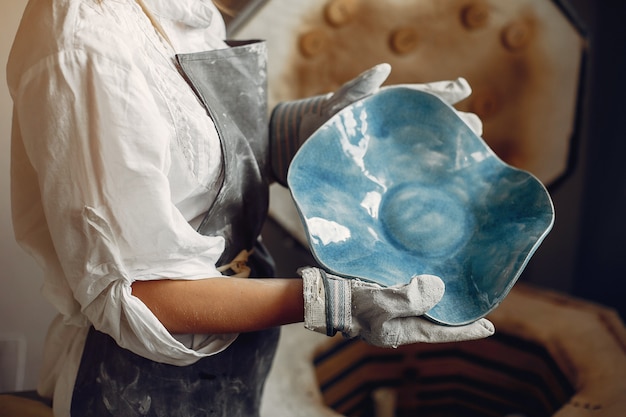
x=327, y=302
x=338, y=304
x=284, y=132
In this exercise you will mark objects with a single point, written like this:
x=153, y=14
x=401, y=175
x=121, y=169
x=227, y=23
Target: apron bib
x=113, y=381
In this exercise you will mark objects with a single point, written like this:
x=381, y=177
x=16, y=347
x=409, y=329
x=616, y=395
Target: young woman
x=140, y=171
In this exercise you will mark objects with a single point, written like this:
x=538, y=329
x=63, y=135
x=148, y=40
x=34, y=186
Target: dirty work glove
x=451, y=92
x=381, y=316
x=292, y=122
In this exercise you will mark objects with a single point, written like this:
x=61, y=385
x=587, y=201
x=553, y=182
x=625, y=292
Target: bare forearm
x=222, y=305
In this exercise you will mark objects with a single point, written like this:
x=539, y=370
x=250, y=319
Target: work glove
x=381, y=316
x=451, y=92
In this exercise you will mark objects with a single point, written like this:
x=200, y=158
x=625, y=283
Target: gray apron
x=113, y=381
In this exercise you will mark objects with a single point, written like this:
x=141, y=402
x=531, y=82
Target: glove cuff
x=284, y=132
x=327, y=302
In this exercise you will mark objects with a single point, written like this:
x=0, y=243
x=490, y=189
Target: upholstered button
x=403, y=40
x=313, y=43
x=516, y=35
x=340, y=12
x=475, y=16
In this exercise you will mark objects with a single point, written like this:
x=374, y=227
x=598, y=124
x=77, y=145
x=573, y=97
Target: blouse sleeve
x=93, y=134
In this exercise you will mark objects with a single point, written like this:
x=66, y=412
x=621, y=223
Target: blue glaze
x=397, y=185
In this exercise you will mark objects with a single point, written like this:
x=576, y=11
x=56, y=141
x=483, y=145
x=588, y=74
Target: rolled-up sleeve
x=100, y=148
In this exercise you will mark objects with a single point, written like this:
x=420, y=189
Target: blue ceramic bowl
x=397, y=185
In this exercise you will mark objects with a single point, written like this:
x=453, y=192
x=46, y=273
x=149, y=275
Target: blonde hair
x=225, y=6
x=153, y=20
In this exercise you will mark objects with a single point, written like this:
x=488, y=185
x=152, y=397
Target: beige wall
x=24, y=314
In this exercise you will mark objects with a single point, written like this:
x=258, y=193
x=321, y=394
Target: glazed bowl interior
x=397, y=185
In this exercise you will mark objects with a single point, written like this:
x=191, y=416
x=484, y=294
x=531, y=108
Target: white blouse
x=113, y=158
